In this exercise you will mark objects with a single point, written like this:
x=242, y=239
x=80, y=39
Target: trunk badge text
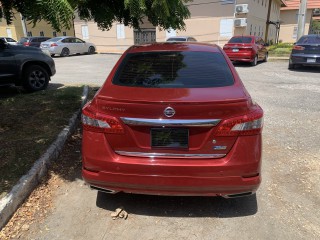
x=169, y=112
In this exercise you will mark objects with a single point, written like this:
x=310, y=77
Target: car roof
x=175, y=46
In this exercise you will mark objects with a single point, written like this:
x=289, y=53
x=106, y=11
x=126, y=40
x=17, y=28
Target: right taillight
x=26, y=44
x=249, y=124
x=97, y=122
x=299, y=48
x=53, y=45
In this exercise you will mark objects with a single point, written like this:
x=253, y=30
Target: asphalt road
x=286, y=205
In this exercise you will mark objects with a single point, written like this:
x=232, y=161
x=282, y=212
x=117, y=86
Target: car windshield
x=177, y=39
x=56, y=39
x=23, y=40
x=10, y=40
x=240, y=40
x=174, y=70
x=309, y=40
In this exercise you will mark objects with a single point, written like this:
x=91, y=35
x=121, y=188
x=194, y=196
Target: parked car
x=32, y=41
x=65, y=46
x=9, y=40
x=246, y=49
x=173, y=119
x=24, y=66
x=181, y=39
x=305, y=52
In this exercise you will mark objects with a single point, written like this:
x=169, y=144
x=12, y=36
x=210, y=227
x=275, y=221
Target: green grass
x=281, y=49
x=29, y=123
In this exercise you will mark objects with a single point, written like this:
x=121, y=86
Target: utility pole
x=302, y=18
x=268, y=22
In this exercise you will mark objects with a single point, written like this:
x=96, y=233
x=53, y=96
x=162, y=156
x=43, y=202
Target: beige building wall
x=289, y=24
x=42, y=26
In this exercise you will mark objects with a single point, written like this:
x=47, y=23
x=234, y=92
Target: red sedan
x=173, y=119
x=246, y=49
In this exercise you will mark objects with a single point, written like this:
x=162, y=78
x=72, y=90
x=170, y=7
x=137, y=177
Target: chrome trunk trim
x=168, y=155
x=171, y=122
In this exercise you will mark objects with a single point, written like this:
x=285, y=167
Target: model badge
x=169, y=112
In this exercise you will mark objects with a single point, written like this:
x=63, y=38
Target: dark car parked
x=305, y=52
x=32, y=41
x=24, y=66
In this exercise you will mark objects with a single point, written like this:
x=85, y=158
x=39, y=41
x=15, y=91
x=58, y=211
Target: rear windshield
x=176, y=40
x=309, y=40
x=240, y=40
x=23, y=40
x=10, y=40
x=56, y=39
x=174, y=70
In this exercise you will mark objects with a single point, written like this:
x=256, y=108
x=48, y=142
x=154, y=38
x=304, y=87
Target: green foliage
x=315, y=25
x=60, y=13
x=281, y=46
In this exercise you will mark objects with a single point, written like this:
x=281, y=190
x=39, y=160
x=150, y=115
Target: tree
x=59, y=13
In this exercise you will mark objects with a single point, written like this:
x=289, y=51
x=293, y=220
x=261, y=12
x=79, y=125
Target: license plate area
x=311, y=60
x=169, y=137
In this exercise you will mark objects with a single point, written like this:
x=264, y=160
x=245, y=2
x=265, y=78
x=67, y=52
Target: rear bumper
x=305, y=59
x=238, y=172
x=241, y=57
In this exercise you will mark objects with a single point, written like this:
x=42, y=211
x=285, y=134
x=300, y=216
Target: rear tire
x=65, y=52
x=255, y=61
x=52, y=55
x=291, y=66
x=91, y=50
x=266, y=57
x=35, y=78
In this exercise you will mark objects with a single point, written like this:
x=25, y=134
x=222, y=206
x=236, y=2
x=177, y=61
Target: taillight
x=299, y=48
x=249, y=124
x=54, y=45
x=97, y=122
x=26, y=44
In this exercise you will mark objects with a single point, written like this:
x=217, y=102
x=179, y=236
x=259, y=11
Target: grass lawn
x=29, y=123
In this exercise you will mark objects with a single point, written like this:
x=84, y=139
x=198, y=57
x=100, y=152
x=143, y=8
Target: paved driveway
x=287, y=203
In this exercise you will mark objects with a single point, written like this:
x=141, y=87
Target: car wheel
x=52, y=55
x=255, y=61
x=91, y=50
x=35, y=78
x=65, y=52
x=291, y=66
x=266, y=57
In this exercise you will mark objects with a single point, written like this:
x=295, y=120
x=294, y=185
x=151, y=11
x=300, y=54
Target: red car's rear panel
x=209, y=155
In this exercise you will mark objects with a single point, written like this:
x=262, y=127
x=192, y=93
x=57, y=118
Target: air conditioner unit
x=316, y=11
x=242, y=8
x=240, y=22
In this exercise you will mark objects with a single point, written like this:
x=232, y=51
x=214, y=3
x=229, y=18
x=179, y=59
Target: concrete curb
x=27, y=183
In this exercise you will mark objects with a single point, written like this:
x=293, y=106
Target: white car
x=9, y=40
x=65, y=46
x=181, y=39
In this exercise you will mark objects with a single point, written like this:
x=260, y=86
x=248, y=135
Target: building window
x=250, y=29
x=29, y=34
x=41, y=33
x=64, y=33
x=225, y=2
x=226, y=28
x=120, y=31
x=85, y=31
x=54, y=34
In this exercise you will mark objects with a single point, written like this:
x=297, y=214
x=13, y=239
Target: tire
x=291, y=66
x=266, y=57
x=65, y=52
x=35, y=78
x=91, y=50
x=255, y=61
x=52, y=55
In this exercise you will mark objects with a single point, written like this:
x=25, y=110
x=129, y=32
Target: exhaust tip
x=105, y=190
x=238, y=195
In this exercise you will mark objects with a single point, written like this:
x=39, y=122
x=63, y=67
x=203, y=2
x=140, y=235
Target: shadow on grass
x=179, y=206
x=11, y=90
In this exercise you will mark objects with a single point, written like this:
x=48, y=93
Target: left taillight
x=249, y=124
x=97, y=122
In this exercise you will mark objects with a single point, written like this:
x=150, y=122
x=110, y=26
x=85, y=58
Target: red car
x=173, y=119
x=246, y=49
